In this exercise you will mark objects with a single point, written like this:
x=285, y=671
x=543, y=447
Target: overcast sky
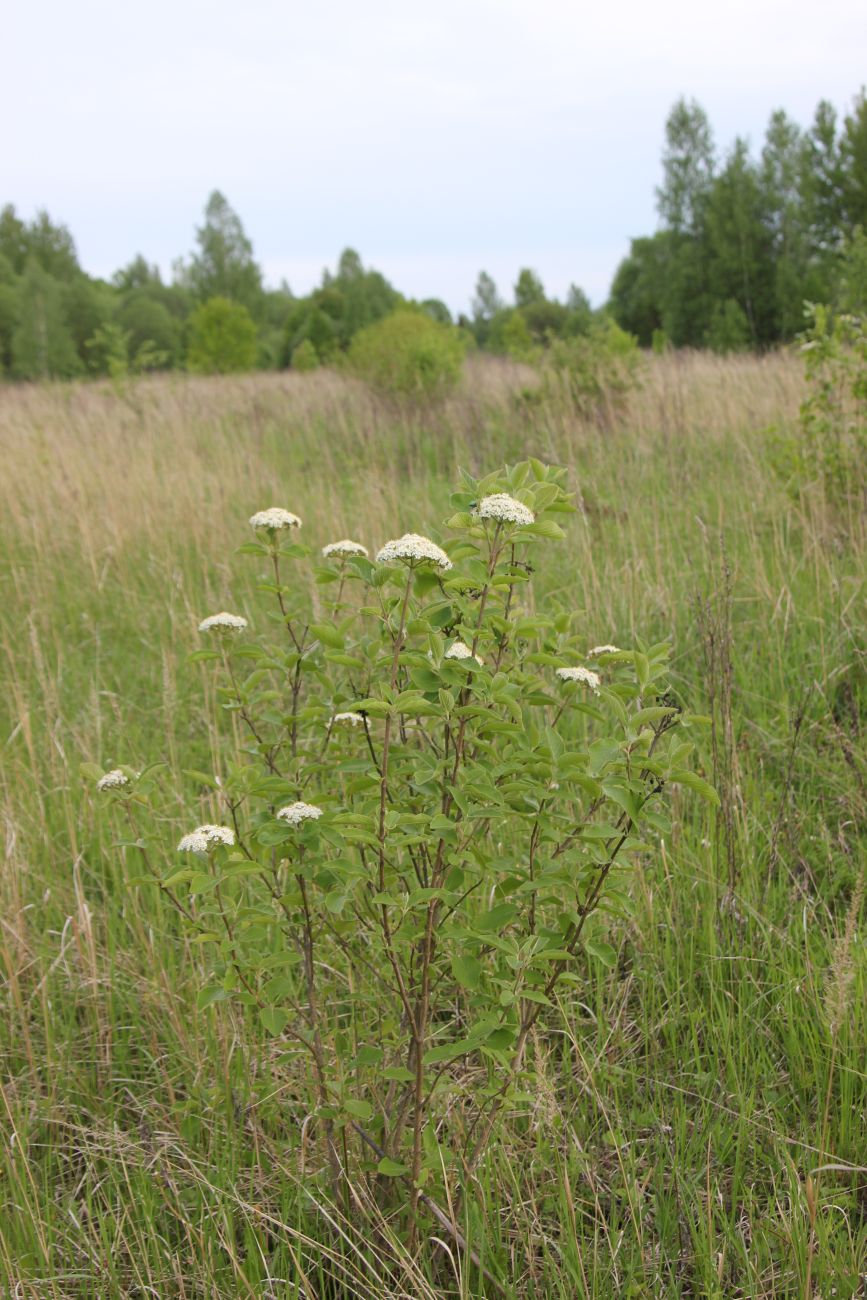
x=437, y=138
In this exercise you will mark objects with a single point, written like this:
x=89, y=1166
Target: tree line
x=742, y=243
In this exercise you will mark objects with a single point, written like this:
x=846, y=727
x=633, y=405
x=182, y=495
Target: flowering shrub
x=429, y=829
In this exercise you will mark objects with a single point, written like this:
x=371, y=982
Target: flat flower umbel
x=116, y=779
x=460, y=650
x=412, y=548
x=223, y=622
x=343, y=550
x=504, y=509
x=585, y=676
x=274, y=519
x=297, y=813
x=205, y=838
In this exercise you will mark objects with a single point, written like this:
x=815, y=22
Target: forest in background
x=743, y=242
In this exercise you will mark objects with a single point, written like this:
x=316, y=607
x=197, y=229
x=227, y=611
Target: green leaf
x=201, y=883
x=210, y=994
x=602, y=952
x=360, y=1109
x=497, y=918
x=274, y=1020
x=450, y=1051
x=328, y=635
x=682, y=776
x=544, y=528
x=176, y=877
x=467, y=971
x=391, y=1168
x=369, y=1056
x=202, y=656
x=201, y=778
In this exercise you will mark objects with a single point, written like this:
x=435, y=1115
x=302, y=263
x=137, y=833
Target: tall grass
x=702, y=1130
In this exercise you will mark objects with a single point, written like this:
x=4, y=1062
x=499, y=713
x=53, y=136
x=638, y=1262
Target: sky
x=437, y=138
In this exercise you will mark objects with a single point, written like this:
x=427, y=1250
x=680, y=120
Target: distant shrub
x=222, y=338
x=112, y=351
x=595, y=370
x=511, y=334
x=305, y=357
x=834, y=413
x=408, y=353
x=827, y=450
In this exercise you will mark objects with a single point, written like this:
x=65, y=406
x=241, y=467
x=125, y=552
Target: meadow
x=702, y=1126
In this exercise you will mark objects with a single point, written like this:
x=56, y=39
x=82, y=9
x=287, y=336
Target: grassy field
x=703, y=1130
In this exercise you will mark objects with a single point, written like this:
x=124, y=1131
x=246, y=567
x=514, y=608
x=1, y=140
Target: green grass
x=698, y=1099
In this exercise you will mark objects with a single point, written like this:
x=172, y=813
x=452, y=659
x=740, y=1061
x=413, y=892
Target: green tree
x=222, y=338
x=14, y=244
x=42, y=346
x=529, y=289
x=224, y=266
x=853, y=163
x=344, y=303
x=87, y=306
x=486, y=305
x=53, y=247
x=137, y=274
x=579, y=312
x=437, y=310
x=822, y=180
x=366, y=296
x=688, y=163
x=8, y=311
x=638, y=288
x=149, y=324
x=796, y=274
x=687, y=166
x=486, y=301
x=739, y=244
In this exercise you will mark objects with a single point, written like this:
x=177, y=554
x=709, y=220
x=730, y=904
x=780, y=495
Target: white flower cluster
x=296, y=813
x=585, y=675
x=206, y=837
x=274, y=518
x=504, y=509
x=411, y=547
x=344, y=548
x=602, y=650
x=460, y=650
x=223, y=622
x=349, y=719
x=113, y=780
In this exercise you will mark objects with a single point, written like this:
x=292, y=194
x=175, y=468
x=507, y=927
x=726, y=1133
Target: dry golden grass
x=183, y=453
